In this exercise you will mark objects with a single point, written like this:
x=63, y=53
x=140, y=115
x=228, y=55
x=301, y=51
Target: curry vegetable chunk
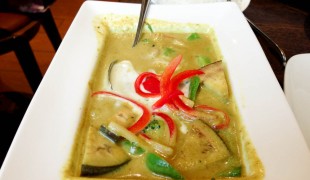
x=205, y=147
x=101, y=155
x=161, y=110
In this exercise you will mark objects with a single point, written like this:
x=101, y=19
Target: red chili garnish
x=169, y=122
x=142, y=122
x=166, y=99
x=169, y=85
x=181, y=105
x=150, y=83
x=145, y=136
x=167, y=74
x=218, y=126
x=177, y=79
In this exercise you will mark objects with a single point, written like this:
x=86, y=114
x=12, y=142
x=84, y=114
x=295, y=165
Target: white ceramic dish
x=44, y=139
x=297, y=90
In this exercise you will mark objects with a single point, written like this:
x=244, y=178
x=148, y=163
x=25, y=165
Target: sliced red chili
x=150, y=83
x=177, y=79
x=222, y=125
x=142, y=122
x=145, y=136
x=181, y=105
x=169, y=86
x=167, y=74
x=169, y=122
x=166, y=99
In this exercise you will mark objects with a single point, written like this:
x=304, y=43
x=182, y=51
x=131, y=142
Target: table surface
x=286, y=22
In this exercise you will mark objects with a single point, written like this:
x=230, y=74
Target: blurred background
x=15, y=91
x=12, y=77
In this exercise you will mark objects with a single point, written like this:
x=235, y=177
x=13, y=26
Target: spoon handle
x=143, y=10
x=270, y=41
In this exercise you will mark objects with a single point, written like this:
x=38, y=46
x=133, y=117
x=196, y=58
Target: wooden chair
x=17, y=28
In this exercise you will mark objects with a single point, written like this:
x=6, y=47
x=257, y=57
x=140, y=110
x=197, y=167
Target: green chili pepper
x=132, y=147
x=193, y=36
x=193, y=87
x=149, y=27
x=203, y=61
x=234, y=172
x=168, y=51
x=160, y=166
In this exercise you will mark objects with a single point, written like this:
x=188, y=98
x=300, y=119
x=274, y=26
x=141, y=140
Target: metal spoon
x=270, y=41
x=143, y=10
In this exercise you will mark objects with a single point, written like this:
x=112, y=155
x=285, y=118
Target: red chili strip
x=169, y=122
x=177, y=79
x=145, y=136
x=166, y=99
x=150, y=82
x=181, y=105
x=167, y=74
x=142, y=122
x=172, y=106
x=219, y=126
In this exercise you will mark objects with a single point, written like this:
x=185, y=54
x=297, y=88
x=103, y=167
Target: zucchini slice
x=101, y=155
x=201, y=147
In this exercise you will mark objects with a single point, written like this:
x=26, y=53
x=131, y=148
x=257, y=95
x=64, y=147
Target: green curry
x=161, y=110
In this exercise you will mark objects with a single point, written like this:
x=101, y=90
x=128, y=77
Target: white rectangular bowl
x=43, y=142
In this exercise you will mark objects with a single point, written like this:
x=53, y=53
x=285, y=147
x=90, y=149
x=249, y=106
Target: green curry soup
x=162, y=109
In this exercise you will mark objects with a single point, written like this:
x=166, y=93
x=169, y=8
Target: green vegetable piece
x=147, y=41
x=214, y=81
x=101, y=155
x=159, y=166
x=132, y=147
x=153, y=125
x=149, y=27
x=193, y=36
x=206, y=148
x=168, y=51
x=193, y=87
x=234, y=172
x=203, y=61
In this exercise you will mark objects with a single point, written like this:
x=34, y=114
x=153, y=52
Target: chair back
x=28, y=6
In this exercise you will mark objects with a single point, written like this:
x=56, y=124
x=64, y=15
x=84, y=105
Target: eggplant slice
x=202, y=146
x=101, y=155
x=214, y=79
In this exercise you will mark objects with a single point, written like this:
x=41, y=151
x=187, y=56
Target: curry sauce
x=141, y=121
